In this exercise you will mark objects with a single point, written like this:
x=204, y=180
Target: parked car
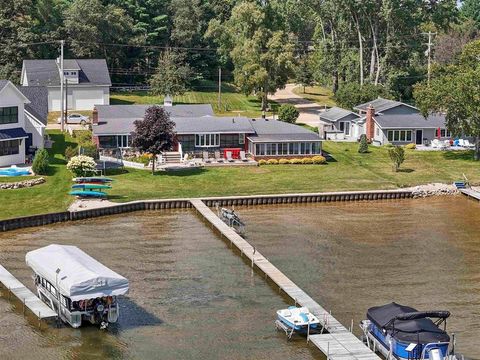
x=75, y=119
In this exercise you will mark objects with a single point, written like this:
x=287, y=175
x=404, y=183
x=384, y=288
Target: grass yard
x=318, y=94
x=348, y=171
x=233, y=102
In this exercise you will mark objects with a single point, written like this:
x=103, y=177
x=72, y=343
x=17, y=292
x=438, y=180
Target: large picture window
x=399, y=135
x=9, y=115
x=279, y=149
x=9, y=147
x=207, y=140
x=445, y=133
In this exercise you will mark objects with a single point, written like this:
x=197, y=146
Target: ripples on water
x=191, y=297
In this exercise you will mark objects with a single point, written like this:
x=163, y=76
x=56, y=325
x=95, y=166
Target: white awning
x=80, y=276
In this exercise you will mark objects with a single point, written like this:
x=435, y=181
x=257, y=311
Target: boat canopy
x=80, y=276
x=407, y=324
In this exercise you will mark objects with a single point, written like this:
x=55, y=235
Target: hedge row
x=313, y=160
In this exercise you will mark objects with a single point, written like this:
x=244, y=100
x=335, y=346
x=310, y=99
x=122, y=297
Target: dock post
x=328, y=350
x=253, y=257
x=351, y=328
x=39, y=320
x=23, y=306
x=9, y=293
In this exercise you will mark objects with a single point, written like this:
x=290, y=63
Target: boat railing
x=431, y=346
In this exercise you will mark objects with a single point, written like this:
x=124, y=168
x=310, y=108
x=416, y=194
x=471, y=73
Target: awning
x=12, y=134
x=80, y=277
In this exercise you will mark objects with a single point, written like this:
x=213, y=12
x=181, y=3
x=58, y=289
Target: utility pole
x=219, y=88
x=66, y=101
x=429, y=54
x=62, y=119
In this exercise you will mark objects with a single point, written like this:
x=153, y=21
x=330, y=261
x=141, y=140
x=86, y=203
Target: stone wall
x=22, y=184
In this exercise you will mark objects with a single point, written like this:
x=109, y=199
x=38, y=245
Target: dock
x=24, y=295
x=471, y=193
x=339, y=343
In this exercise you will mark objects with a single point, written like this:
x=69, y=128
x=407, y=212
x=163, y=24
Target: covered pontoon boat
x=402, y=332
x=84, y=288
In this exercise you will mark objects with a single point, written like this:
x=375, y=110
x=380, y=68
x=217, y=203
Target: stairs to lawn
x=172, y=157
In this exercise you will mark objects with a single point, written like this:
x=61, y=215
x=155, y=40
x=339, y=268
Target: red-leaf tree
x=155, y=133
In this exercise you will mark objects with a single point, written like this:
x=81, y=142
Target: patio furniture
x=468, y=144
x=461, y=142
x=235, y=152
x=206, y=160
x=435, y=144
x=218, y=158
x=243, y=156
x=229, y=157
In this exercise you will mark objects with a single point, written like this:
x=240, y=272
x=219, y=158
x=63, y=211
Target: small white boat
x=297, y=319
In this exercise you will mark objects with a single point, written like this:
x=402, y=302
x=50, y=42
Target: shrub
x=397, y=155
x=142, y=159
x=288, y=113
x=411, y=146
x=388, y=145
x=319, y=159
x=283, y=161
x=81, y=165
x=41, y=162
x=82, y=136
x=272, y=162
x=89, y=149
x=70, y=152
x=363, y=148
x=307, y=161
x=262, y=162
x=296, y=161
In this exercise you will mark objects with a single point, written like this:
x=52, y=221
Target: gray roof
x=274, y=130
x=409, y=121
x=379, y=105
x=213, y=124
x=46, y=73
x=38, y=96
x=3, y=83
x=136, y=112
x=336, y=113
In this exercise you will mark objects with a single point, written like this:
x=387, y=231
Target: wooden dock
x=28, y=299
x=339, y=343
x=471, y=193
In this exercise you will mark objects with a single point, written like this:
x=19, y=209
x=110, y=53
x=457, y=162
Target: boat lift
x=231, y=218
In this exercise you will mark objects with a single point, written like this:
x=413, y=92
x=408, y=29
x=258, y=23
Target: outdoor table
x=235, y=152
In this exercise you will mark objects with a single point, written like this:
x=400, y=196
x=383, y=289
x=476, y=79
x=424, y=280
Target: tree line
x=379, y=46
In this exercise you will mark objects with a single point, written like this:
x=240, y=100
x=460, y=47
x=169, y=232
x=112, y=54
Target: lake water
x=193, y=298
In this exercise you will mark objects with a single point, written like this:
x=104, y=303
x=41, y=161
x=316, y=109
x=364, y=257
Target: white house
x=23, y=118
x=87, y=81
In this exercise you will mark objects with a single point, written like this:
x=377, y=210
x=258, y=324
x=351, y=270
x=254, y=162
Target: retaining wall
x=46, y=219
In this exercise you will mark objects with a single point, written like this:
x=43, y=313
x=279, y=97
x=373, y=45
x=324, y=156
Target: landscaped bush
x=411, y=146
x=41, y=162
x=142, y=159
x=296, y=161
x=307, y=161
x=319, y=159
x=363, y=148
x=70, y=152
x=262, y=162
x=81, y=165
x=397, y=155
x=284, y=161
x=272, y=162
x=288, y=113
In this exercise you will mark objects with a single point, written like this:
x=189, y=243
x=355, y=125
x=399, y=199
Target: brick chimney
x=95, y=116
x=370, y=124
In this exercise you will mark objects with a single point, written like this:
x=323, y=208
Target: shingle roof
x=46, y=73
x=71, y=64
x=336, y=113
x=212, y=124
x=15, y=133
x=407, y=121
x=379, y=105
x=3, y=83
x=135, y=112
x=274, y=130
x=38, y=96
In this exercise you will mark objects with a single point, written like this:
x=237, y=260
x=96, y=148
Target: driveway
x=309, y=110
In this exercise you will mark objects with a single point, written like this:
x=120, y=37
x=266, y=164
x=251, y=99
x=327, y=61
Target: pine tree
x=363, y=148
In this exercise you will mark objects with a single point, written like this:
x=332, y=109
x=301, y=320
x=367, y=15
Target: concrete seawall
x=109, y=209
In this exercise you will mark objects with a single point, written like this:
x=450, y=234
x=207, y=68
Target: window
x=260, y=149
x=377, y=130
x=10, y=147
x=207, y=140
x=123, y=141
x=107, y=142
x=241, y=139
x=345, y=127
x=399, y=135
x=9, y=115
x=445, y=133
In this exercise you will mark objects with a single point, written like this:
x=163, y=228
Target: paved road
x=309, y=110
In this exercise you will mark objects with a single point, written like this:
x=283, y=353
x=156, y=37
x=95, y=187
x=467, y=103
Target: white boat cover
x=81, y=277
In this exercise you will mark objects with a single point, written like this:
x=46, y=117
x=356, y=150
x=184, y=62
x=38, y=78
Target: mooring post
x=23, y=306
x=39, y=320
x=9, y=293
x=351, y=327
x=253, y=257
x=328, y=350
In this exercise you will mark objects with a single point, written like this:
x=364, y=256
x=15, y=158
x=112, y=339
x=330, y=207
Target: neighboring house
x=199, y=130
x=385, y=121
x=23, y=118
x=342, y=124
x=87, y=81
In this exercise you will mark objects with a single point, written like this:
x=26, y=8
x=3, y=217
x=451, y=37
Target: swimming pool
x=14, y=171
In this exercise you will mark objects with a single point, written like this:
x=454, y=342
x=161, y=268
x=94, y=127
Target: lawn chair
x=461, y=142
x=468, y=144
x=218, y=157
x=435, y=144
x=243, y=157
x=206, y=160
x=229, y=156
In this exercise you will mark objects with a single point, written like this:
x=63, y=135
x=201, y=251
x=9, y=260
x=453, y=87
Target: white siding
x=14, y=159
x=80, y=98
x=36, y=129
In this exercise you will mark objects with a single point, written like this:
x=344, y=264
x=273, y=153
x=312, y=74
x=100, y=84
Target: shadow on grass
x=459, y=155
x=408, y=171
x=181, y=172
x=116, y=101
x=116, y=171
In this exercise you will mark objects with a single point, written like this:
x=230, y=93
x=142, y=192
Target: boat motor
x=435, y=354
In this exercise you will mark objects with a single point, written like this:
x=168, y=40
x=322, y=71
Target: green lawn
x=348, y=171
x=233, y=102
x=318, y=94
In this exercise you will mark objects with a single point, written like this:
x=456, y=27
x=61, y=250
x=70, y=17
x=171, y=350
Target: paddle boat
x=76, y=286
x=296, y=320
x=92, y=180
x=403, y=333
x=88, y=194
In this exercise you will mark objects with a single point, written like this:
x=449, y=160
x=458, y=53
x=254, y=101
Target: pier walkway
x=28, y=299
x=339, y=343
x=471, y=193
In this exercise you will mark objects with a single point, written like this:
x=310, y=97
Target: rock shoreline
x=436, y=189
x=22, y=184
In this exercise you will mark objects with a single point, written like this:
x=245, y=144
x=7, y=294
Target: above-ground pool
x=14, y=171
